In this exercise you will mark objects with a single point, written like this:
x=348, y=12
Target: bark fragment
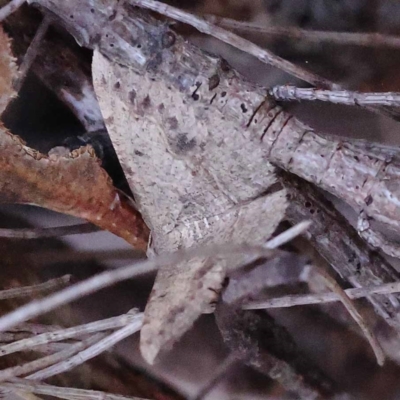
x=268, y=347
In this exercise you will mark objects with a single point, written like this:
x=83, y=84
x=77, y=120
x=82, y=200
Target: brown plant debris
x=74, y=184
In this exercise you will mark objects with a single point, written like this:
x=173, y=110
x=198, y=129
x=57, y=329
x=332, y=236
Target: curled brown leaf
x=73, y=184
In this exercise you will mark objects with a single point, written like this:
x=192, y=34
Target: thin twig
x=10, y=8
x=34, y=289
x=108, y=278
x=346, y=97
x=240, y=43
x=288, y=235
x=350, y=306
x=376, y=239
x=217, y=375
x=32, y=52
x=50, y=348
x=7, y=337
x=35, y=329
x=318, y=298
x=249, y=47
x=68, y=333
x=339, y=38
x=44, y=362
x=37, y=233
x=90, y=352
x=63, y=392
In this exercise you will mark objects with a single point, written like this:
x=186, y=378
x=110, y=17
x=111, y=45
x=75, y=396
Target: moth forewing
x=192, y=184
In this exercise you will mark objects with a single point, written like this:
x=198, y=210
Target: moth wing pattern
x=180, y=185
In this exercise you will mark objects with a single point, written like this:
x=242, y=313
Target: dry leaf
x=74, y=184
x=190, y=185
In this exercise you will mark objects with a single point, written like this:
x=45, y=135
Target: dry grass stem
x=91, y=352
x=108, y=278
x=68, y=333
x=24, y=291
x=245, y=45
x=356, y=315
x=249, y=47
x=32, y=52
x=339, y=38
x=49, y=348
x=62, y=392
x=35, y=329
x=10, y=8
x=305, y=299
x=39, y=233
x=44, y=362
x=288, y=235
x=346, y=97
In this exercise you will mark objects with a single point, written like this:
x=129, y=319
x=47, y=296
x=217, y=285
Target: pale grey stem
x=62, y=392
x=57, y=231
x=376, y=239
x=35, y=329
x=10, y=8
x=32, y=52
x=249, y=47
x=108, y=278
x=356, y=315
x=288, y=235
x=340, y=38
x=346, y=97
x=50, y=348
x=245, y=45
x=217, y=375
x=305, y=299
x=44, y=362
x=69, y=333
x=90, y=352
x=34, y=289
x=7, y=337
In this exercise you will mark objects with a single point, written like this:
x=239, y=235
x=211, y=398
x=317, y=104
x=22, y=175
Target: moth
x=200, y=145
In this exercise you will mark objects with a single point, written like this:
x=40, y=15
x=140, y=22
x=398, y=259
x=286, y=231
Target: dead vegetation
x=215, y=166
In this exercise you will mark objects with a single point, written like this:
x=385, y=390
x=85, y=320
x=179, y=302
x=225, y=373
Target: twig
x=288, y=235
x=10, y=8
x=69, y=333
x=35, y=329
x=376, y=239
x=91, y=351
x=356, y=315
x=34, y=289
x=32, y=52
x=44, y=362
x=108, y=278
x=249, y=47
x=267, y=346
x=217, y=375
x=346, y=97
x=50, y=348
x=232, y=39
x=63, y=392
x=339, y=38
x=37, y=233
x=318, y=298
x=340, y=245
